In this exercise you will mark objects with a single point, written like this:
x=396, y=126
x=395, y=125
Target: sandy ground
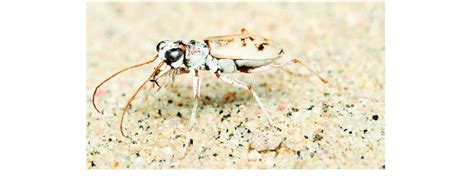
x=335, y=125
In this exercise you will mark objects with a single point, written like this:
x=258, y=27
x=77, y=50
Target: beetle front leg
x=243, y=85
x=192, y=122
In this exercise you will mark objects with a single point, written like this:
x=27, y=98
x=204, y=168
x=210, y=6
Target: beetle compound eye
x=173, y=55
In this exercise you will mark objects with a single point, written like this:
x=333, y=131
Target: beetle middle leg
x=192, y=121
x=243, y=85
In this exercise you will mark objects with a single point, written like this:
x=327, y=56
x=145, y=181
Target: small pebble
x=261, y=141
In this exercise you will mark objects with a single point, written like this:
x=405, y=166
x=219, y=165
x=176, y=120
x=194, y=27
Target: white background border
x=429, y=100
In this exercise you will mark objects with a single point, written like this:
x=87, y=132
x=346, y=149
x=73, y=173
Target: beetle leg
x=172, y=79
x=192, y=122
x=283, y=65
x=243, y=85
x=152, y=85
x=268, y=67
x=296, y=61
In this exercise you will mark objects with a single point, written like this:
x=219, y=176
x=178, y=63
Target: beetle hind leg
x=283, y=67
x=243, y=85
x=296, y=61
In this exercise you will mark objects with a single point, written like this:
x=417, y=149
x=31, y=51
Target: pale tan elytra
x=243, y=47
x=244, y=53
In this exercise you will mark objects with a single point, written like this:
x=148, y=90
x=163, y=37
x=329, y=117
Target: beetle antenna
x=117, y=73
x=155, y=72
x=311, y=70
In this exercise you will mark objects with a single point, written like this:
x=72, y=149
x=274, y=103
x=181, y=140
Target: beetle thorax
x=197, y=52
x=190, y=54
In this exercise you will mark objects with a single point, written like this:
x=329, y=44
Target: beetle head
x=173, y=53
